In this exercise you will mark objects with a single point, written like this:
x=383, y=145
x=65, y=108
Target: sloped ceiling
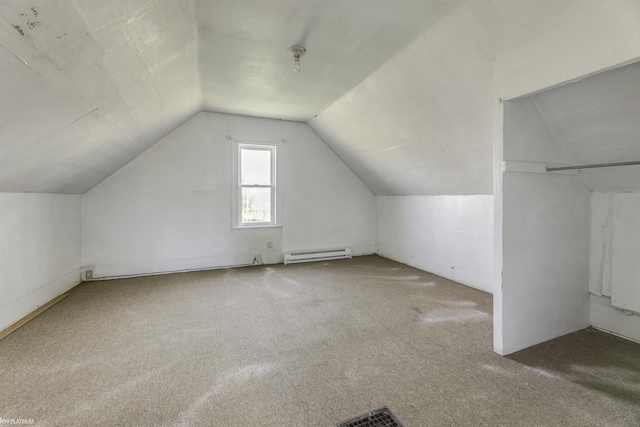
x=246, y=67
x=88, y=85
x=401, y=91
x=423, y=122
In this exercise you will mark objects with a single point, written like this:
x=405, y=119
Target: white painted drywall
x=596, y=37
x=451, y=236
x=544, y=291
x=170, y=208
x=545, y=282
x=39, y=251
x=530, y=139
x=603, y=314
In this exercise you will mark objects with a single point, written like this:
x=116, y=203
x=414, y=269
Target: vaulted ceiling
x=246, y=67
x=402, y=91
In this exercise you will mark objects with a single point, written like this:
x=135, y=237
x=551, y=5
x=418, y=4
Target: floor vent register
x=379, y=418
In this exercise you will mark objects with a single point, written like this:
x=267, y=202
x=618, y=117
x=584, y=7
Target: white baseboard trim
x=171, y=266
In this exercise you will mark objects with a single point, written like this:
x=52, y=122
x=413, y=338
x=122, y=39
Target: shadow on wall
x=589, y=358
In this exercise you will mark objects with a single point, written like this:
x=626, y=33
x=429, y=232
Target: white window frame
x=237, y=185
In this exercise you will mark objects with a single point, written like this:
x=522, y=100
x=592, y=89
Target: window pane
x=256, y=205
x=255, y=167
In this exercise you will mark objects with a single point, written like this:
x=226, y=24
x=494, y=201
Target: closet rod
x=600, y=165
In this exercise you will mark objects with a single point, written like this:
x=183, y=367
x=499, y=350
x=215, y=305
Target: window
x=256, y=185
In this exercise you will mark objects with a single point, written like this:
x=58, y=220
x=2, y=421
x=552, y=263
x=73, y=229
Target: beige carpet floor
x=303, y=345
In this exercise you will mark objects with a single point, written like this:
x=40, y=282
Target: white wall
x=590, y=121
x=451, y=236
x=545, y=242
x=603, y=314
x=170, y=208
x=596, y=38
x=39, y=251
x=545, y=236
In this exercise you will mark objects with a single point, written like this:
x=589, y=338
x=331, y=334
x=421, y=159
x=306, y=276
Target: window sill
x=251, y=227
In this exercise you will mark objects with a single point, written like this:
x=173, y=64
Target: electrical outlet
x=88, y=274
x=270, y=245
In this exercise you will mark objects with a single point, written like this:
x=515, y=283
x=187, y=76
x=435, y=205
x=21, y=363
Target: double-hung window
x=256, y=185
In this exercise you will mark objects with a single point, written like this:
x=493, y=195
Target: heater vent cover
x=295, y=257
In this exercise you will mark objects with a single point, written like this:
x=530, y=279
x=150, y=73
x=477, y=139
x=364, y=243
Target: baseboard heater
x=295, y=257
